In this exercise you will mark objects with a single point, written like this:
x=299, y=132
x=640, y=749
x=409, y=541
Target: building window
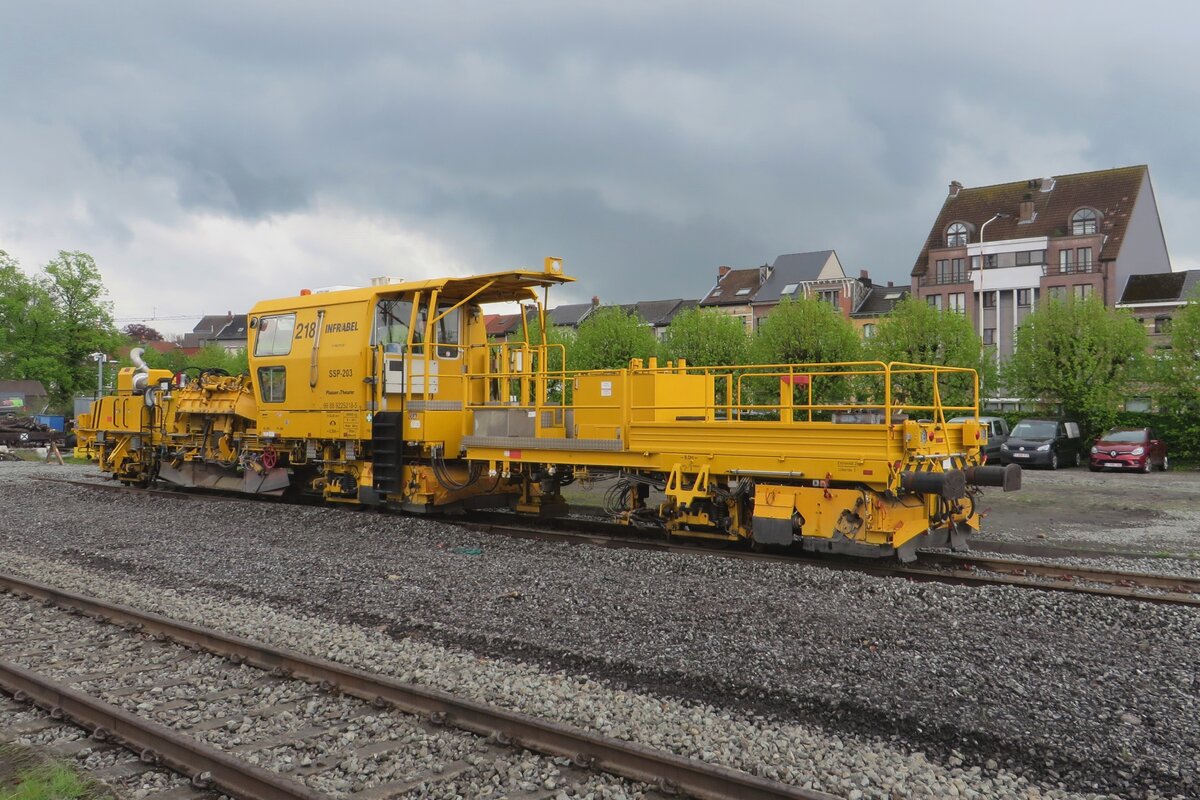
x=272, y=384
x=958, y=302
x=1083, y=259
x=1057, y=292
x=990, y=261
x=790, y=288
x=934, y=300
x=989, y=335
x=1023, y=297
x=1026, y=258
x=1084, y=222
x=743, y=291
x=1083, y=291
x=956, y=235
x=828, y=296
x=989, y=299
x=1064, y=261
x=1162, y=324
x=952, y=271
x=868, y=330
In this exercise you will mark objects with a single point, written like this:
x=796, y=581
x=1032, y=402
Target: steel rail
x=636, y=762
x=206, y=765
x=960, y=569
x=1122, y=585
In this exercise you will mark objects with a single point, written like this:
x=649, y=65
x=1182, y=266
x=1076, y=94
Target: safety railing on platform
x=530, y=378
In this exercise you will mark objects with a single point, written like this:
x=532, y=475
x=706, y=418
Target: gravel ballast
x=1027, y=691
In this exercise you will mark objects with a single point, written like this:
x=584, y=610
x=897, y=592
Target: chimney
x=955, y=188
x=890, y=286
x=229, y=316
x=722, y=271
x=1027, y=212
x=595, y=300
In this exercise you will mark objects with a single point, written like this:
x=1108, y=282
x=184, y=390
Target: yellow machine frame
x=393, y=395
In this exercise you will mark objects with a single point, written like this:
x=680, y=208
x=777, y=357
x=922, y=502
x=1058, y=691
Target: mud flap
x=772, y=531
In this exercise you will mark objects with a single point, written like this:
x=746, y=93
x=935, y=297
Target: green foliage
x=211, y=356
x=1080, y=354
x=48, y=782
x=50, y=324
x=1180, y=367
x=917, y=333
x=805, y=331
x=609, y=338
x=706, y=338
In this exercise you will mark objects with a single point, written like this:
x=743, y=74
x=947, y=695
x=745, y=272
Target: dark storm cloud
x=647, y=143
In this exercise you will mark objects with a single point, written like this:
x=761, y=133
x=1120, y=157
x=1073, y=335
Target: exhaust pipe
x=142, y=377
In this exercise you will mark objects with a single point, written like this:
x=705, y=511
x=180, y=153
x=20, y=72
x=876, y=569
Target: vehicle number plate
x=1020, y=455
x=1113, y=464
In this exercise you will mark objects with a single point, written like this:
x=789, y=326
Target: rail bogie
x=392, y=395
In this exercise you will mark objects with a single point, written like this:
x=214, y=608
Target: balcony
x=948, y=279
x=1071, y=268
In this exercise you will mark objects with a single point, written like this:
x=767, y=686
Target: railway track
x=261, y=723
x=961, y=569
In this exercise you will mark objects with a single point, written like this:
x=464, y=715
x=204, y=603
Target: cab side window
x=275, y=335
x=391, y=324
x=272, y=384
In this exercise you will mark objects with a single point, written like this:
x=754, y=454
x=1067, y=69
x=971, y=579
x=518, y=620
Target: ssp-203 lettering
x=341, y=373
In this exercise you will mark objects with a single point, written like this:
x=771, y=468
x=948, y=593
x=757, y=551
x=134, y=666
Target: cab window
x=272, y=384
x=445, y=332
x=391, y=324
x=275, y=335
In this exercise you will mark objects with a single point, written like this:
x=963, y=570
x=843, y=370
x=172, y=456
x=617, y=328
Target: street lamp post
x=100, y=359
x=982, y=228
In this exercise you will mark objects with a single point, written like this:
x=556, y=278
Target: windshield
x=1035, y=430
x=1125, y=436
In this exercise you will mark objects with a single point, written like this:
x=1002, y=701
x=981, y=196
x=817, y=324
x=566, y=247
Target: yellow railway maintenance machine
x=393, y=396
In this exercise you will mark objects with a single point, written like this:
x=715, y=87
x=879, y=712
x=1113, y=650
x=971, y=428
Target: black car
x=1043, y=443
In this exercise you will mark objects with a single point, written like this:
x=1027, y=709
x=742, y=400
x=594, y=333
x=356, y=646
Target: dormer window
x=956, y=235
x=1084, y=222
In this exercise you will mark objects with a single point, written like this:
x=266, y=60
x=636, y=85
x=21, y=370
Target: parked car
x=997, y=433
x=1043, y=443
x=1129, y=448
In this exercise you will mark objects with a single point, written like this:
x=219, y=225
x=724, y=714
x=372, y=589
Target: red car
x=1129, y=448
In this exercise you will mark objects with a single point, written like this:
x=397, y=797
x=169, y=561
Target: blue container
x=55, y=421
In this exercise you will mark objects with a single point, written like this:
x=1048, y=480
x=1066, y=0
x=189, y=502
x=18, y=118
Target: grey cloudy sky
x=213, y=154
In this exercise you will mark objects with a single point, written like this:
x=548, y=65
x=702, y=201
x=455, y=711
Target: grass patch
x=24, y=776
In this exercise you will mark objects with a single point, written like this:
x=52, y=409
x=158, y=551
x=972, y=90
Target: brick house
x=1154, y=299
x=996, y=252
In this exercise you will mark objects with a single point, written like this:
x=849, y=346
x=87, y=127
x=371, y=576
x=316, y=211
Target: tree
x=609, y=338
x=141, y=333
x=1080, y=354
x=706, y=338
x=917, y=333
x=1181, y=364
x=804, y=331
x=53, y=323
